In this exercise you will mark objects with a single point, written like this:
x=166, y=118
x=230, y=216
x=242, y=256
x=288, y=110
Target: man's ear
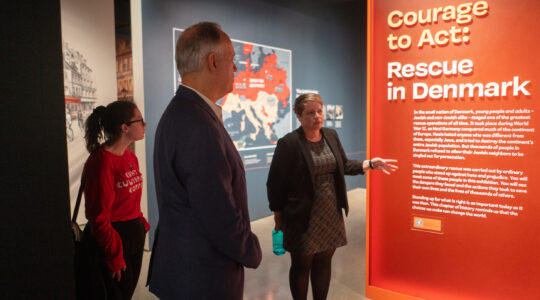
x=211, y=61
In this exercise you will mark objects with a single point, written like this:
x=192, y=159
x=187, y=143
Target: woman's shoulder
x=291, y=136
x=97, y=155
x=97, y=161
x=288, y=140
x=330, y=133
x=129, y=153
x=130, y=156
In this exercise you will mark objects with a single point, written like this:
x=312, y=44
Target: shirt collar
x=215, y=108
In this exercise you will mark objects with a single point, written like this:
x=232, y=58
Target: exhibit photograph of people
x=270, y=150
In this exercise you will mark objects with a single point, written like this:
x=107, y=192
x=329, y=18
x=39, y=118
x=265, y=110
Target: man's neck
x=201, y=85
x=212, y=103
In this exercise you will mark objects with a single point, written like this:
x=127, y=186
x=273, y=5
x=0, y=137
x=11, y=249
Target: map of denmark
x=258, y=110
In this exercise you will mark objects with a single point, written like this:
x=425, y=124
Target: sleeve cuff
x=145, y=223
x=116, y=265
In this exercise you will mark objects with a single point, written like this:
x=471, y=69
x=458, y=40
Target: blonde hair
x=300, y=102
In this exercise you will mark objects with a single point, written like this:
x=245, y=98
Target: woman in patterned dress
x=306, y=190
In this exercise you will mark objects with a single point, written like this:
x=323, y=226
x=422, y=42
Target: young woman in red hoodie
x=116, y=227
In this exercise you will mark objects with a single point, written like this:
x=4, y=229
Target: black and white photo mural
x=89, y=59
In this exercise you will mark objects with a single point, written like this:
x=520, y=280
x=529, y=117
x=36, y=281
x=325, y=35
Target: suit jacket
x=291, y=181
x=203, y=238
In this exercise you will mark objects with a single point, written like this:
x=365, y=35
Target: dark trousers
x=100, y=283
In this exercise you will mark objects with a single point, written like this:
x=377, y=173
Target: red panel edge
x=373, y=292
x=382, y=294
x=368, y=135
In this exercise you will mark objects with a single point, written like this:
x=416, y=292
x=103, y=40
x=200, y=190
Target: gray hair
x=194, y=45
x=302, y=99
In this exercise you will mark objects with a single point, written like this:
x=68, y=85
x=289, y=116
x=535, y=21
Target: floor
x=270, y=280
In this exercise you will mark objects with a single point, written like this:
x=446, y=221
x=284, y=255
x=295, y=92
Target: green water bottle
x=277, y=242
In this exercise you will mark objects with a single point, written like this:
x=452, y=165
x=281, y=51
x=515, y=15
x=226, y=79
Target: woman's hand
x=382, y=164
x=277, y=220
x=118, y=274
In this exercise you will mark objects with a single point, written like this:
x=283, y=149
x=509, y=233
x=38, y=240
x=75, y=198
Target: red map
x=272, y=80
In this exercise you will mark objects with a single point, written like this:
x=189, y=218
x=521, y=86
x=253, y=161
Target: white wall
x=88, y=27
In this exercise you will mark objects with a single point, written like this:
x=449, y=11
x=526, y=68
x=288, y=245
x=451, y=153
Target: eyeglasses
x=135, y=121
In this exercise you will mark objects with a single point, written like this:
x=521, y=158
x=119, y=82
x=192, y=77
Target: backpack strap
x=78, y=203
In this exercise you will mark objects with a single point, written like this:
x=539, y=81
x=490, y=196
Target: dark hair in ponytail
x=105, y=123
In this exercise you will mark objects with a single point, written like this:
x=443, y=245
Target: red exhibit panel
x=453, y=95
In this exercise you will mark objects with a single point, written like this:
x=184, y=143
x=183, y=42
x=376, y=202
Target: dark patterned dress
x=326, y=229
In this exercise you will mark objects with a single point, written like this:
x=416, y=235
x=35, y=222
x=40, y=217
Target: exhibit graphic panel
x=453, y=95
x=258, y=111
x=89, y=76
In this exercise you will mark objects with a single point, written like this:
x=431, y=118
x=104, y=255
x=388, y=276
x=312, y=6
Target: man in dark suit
x=203, y=239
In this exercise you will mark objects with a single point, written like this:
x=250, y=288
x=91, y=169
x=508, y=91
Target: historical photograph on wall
x=80, y=99
x=258, y=111
x=79, y=91
x=89, y=57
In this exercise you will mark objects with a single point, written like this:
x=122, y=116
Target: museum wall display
x=281, y=52
x=453, y=96
x=89, y=61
